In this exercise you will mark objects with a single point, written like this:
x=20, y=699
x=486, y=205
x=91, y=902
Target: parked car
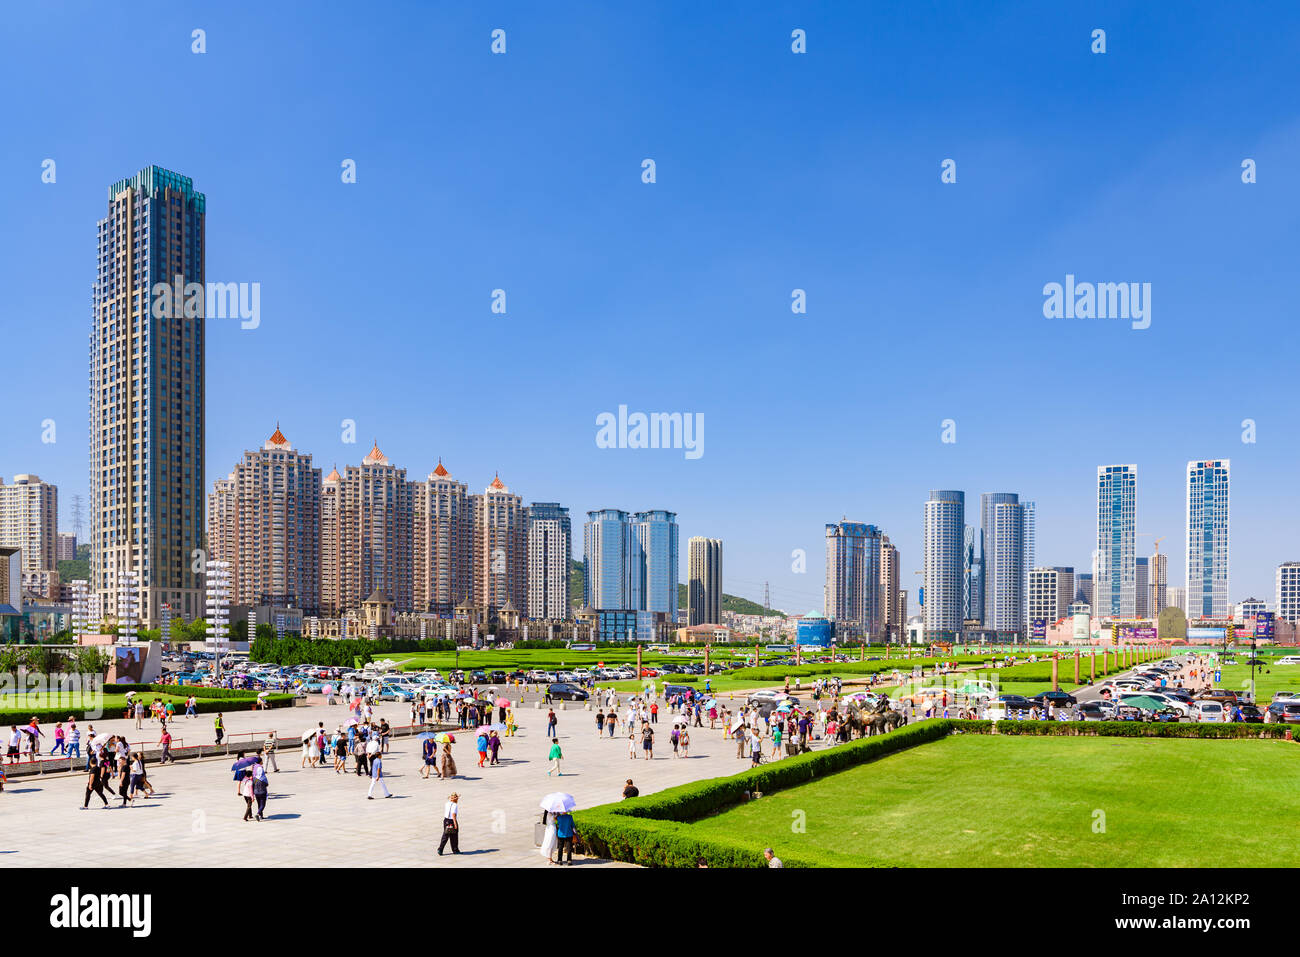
x=1016, y=702
x=1251, y=714
x=566, y=691
x=499, y=678
x=1096, y=711
x=1206, y=711
x=1221, y=695
x=1285, y=712
x=1058, y=698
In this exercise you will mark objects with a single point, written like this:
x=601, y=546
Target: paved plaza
x=318, y=817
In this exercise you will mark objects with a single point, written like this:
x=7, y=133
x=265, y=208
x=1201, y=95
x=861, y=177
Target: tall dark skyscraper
x=146, y=396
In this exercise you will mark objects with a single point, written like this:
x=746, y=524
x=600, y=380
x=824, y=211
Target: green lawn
x=976, y=800
x=1268, y=679
x=73, y=701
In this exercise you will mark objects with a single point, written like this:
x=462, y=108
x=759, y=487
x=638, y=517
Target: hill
x=732, y=603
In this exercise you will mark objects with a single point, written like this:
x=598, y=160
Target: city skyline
x=303, y=364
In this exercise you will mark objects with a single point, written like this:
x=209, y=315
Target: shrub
x=1139, y=729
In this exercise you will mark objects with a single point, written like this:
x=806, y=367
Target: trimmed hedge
x=1137, y=729
x=654, y=831
x=905, y=665
x=218, y=699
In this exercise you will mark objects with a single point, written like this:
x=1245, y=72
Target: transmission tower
x=767, y=598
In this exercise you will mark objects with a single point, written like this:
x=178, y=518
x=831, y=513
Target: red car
x=649, y=672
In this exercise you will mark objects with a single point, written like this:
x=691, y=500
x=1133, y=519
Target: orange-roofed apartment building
x=367, y=526
x=444, y=543
x=265, y=520
x=500, y=549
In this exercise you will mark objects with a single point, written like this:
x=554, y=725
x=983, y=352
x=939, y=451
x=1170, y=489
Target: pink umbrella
x=503, y=702
x=327, y=689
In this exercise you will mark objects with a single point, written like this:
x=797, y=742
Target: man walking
x=555, y=757
x=220, y=727
x=564, y=832
x=451, y=824
x=550, y=723
x=377, y=776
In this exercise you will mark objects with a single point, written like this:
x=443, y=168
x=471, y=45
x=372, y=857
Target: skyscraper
x=704, y=584
x=269, y=510
x=1287, y=593
x=1207, y=538
x=1142, y=589
x=942, y=566
x=1003, y=521
x=550, y=546
x=147, y=395
x=892, y=597
x=500, y=550
x=853, y=590
x=605, y=554
x=973, y=574
x=1159, y=584
x=653, y=579
x=331, y=550
x=1050, y=592
x=630, y=564
x=375, y=522
x=1115, y=587
x=444, y=543
x=29, y=510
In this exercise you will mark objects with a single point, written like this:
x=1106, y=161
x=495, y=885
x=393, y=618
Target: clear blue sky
x=775, y=171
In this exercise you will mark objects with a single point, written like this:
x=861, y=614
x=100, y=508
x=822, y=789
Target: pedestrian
x=385, y=731
x=261, y=785
x=359, y=754
x=377, y=776
x=74, y=739
x=600, y=723
x=429, y=751
x=124, y=790
x=268, y=753
x=631, y=745
x=654, y=712
x=631, y=790
x=139, y=714
x=555, y=757
x=684, y=743
x=564, y=832
x=219, y=726
x=672, y=738
x=94, y=783
x=770, y=856
x=450, y=823
x=648, y=741
x=494, y=745
x=60, y=739
x=166, y=742
x=510, y=722
x=481, y=745
x=550, y=723
x=448, y=762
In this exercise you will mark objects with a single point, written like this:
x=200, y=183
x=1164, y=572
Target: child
x=631, y=745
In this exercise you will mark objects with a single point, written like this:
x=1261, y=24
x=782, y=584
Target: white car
x=1208, y=711
x=1174, y=703
x=581, y=673
x=1288, y=660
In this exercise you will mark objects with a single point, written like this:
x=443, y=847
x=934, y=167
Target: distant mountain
x=732, y=603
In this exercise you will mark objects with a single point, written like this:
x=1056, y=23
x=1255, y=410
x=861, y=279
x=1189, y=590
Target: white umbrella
x=310, y=733
x=263, y=694
x=558, y=802
x=130, y=694
x=738, y=722
x=100, y=740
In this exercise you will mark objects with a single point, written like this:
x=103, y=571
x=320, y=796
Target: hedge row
x=653, y=831
x=1135, y=729
x=199, y=691
x=209, y=706
x=905, y=665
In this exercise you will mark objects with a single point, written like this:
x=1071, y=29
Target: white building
x=1287, y=599
x=942, y=563
x=29, y=511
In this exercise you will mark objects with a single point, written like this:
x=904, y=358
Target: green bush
x=653, y=831
x=1139, y=729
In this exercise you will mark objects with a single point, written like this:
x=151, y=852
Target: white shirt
x=450, y=809
x=372, y=746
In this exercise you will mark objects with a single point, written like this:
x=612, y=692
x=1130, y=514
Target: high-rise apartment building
x=942, y=565
x=630, y=562
x=892, y=597
x=653, y=579
x=1178, y=598
x=1083, y=587
x=1115, y=585
x=1003, y=528
x=1159, y=587
x=704, y=581
x=147, y=395
x=1142, y=590
x=65, y=549
x=550, y=547
x=331, y=554
x=1207, y=538
x=973, y=574
x=369, y=523
x=29, y=510
x=1287, y=593
x=270, y=507
x=444, y=543
x=1051, y=590
x=500, y=552
x=853, y=573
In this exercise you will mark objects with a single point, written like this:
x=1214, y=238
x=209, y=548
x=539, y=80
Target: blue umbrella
x=425, y=736
x=243, y=763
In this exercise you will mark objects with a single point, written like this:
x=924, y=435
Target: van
x=1288, y=660
x=1207, y=711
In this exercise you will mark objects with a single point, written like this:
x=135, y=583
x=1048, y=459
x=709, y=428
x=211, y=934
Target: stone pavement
x=318, y=817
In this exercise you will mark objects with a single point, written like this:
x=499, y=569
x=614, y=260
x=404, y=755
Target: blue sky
x=775, y=171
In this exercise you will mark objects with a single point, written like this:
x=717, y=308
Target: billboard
x=1264, y=625
x=1138, y=633
x=1206, y=634
x=1038, y=629
x=1081, y=628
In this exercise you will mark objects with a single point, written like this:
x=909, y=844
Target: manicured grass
x=112, y=704
x=976, y=800
x=1268, y=679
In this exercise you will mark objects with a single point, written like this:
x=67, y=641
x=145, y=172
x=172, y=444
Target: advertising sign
x=1039, y=629
x=1264, y=625
x=1206, y=634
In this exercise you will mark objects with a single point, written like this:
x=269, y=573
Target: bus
x=779, y=649
x=580, y=646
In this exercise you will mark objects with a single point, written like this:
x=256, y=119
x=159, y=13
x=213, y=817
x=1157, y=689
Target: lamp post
x=126, y=605
x=218, y=610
